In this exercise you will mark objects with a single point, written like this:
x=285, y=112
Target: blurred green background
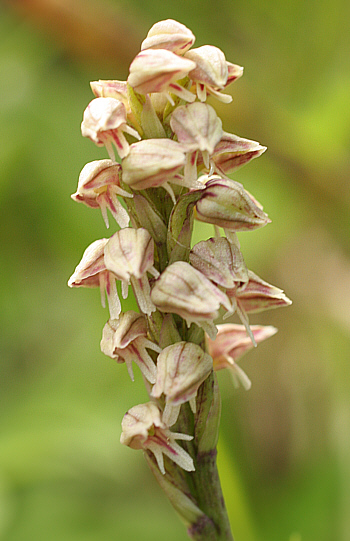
x=284, y=451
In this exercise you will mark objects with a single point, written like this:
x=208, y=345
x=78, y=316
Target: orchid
x=175, y=160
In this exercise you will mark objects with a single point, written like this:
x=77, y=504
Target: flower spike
x=175, y=158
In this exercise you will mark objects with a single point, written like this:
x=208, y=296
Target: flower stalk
x=174, y=159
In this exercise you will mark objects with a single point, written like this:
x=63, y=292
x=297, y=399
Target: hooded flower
x=185, y=291
x=232, y=152
x=156, y=162
x=181, y=369
x=220, y=261
x=199, y=128
x=112, y=89
x=211, y=73
x=170, y=35
x=257, y=295
x=99, y=186
x=143, y=428
x=104, y=122
x=129, y=256
x=226, y=203
x=92, y=272
x=125, y=339
x=254, y=296
x=158, y=70
x=231, y=343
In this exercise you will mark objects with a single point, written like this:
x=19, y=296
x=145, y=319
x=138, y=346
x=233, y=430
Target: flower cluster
x=174, y=158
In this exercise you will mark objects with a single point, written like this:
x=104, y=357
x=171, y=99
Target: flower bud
x=220, y=261
x=98, y=186
x=226, y=204
x=157, y=70
x=181, y=369
x=92, y=272
x=143, y=428
x=126, y=340
x=170, y=35
x=104, y=123
x=111, y=89
x=210, y=73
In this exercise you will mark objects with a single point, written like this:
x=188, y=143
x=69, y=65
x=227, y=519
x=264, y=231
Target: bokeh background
x=284, y=450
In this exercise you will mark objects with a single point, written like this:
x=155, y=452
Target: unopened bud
x=170, y=35
x=220, y=261
x=226, y=204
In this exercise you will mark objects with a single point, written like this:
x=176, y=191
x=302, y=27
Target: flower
x=99, y=186
x=198, y=127
x=125, y=339
x=257, y=295
x=231, y=343
x=232, y=152
x=158, y=70
x=128, y=254
x=226, y=203
x=220, y=261
x=156, y=162
x=112, y=89
x=143, y=428
x=92, y=272
x=181, y=369
x=211, y=72
x=170, y=35
x=104, y=122
x=185, y=291
x=254, y=296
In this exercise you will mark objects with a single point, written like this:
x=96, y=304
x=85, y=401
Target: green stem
x=204, y=483
x=210, y=500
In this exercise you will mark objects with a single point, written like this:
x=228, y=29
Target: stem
x=210, y=500
x=204, y=482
